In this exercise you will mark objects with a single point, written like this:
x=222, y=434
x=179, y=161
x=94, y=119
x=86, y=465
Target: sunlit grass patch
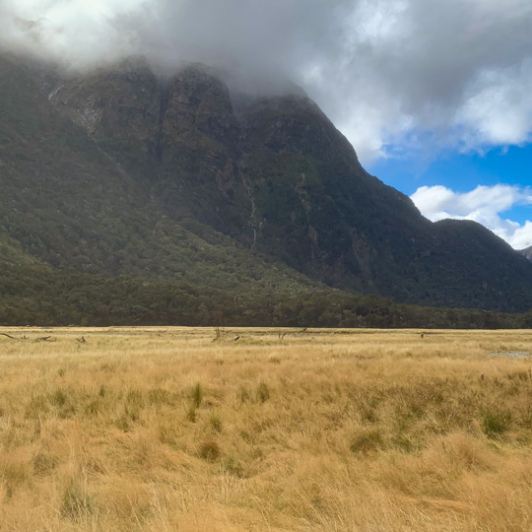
x=134, y=429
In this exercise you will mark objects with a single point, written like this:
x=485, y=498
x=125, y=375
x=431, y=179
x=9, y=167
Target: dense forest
x=44, y=297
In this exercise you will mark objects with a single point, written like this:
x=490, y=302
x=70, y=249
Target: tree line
x=33, y=295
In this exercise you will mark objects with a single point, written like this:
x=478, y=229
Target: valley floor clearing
x=265, y=429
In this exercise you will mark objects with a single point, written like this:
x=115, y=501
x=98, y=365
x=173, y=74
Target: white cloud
x=498, y=110
x=483, y=205
x=385, y=71
x=75, y=32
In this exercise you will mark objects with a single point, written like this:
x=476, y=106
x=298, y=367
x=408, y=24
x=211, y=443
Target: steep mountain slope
x=177, y=135
x=275, y=175
x=66, y=202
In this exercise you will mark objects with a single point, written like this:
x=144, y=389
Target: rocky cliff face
x=178, y=135
x=276, y=177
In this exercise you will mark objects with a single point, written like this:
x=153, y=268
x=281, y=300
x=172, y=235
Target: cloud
x=386, y=71
x=498, y=110
x=73, y=32
x=483, y=205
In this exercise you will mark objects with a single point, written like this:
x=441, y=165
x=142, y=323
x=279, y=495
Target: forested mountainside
x=125, y=176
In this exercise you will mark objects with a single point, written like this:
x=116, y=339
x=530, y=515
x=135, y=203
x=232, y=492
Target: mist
x=393, y=75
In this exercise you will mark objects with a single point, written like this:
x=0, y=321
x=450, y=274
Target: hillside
x=122, y=173
x=66, y=202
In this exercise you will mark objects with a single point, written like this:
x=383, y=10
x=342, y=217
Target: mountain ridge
x=527, y=252
x=168, y=163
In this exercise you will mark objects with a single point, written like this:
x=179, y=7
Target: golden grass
x=183, y=429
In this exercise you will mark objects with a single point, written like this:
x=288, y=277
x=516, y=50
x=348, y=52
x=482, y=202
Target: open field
x=185, y=429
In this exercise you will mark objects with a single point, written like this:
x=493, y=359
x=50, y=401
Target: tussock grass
x=164, y=429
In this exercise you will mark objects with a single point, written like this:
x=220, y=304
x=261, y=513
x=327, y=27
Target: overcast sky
x=411, y=83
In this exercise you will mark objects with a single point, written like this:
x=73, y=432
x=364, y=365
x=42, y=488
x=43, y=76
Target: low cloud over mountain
x=385, y=71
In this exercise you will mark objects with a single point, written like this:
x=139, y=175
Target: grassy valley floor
x=265, y=429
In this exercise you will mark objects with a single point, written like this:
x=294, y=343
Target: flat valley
x=211, y=429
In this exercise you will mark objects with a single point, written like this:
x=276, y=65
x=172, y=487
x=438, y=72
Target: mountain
x=68, y=203
x=178, y=178
x=527, y=253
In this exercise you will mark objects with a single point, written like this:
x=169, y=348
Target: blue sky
x=461, y=172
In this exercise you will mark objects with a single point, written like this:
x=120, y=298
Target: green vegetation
x=35, y=294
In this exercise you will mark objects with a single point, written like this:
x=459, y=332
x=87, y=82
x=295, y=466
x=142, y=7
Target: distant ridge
x=527, y=252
